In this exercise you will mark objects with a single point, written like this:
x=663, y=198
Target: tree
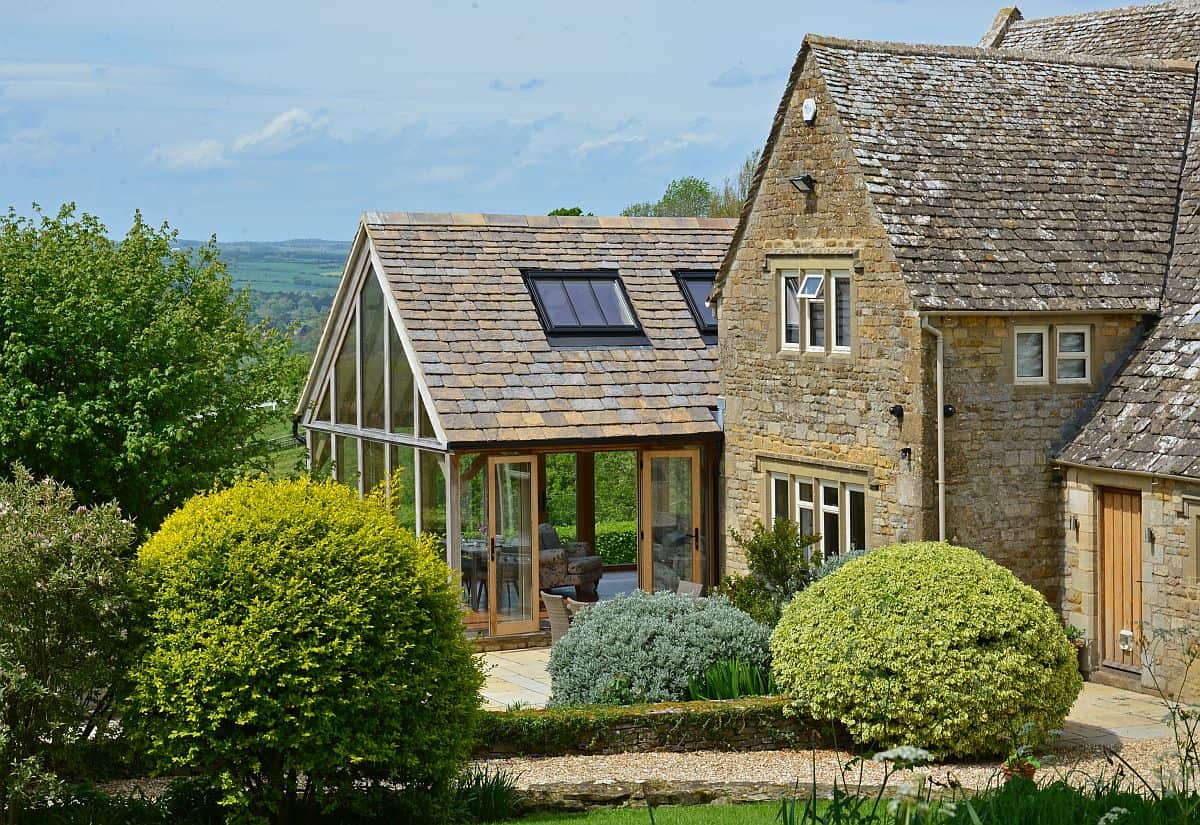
x=695, y=197
x=734, y=193
x=63, y=613
x=567, y=212
x=130, y=370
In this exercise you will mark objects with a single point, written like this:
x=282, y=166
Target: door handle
x=492, y=548
x=696, y=539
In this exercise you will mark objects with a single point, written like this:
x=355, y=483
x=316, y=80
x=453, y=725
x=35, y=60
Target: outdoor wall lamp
x=898, y=411
x=948, y=411
x=803, y=182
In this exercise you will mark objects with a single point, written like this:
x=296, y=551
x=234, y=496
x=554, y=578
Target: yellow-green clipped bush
x=298, y=634
x=930, y=645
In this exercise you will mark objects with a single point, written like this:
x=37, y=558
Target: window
x=572, y=303
x=1068, y=347
x=1030, y=359
x=779, y=497
x=1072, y=361
x=815, y=307
x=696, y=287
x=833, y=508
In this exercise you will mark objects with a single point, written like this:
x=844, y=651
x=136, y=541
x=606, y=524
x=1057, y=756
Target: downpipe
x=941, y=425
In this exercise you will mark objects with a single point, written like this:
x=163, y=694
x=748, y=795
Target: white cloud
x=282, y=131
x=193, y=155
x=444, y=173
x=683, y=141
x=605, y=142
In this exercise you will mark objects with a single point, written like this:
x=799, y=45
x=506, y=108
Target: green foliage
x=676, y=726
x=732, y=196
x=299, y=639
x=64, y=609
x=484, y=794
x=778, y=558
x=616, y=487
x=684, y=197
x=616, y=542
x=567, y=212
x=732, y=679
x=129, y=370
x=653, y=643
x=835, y=563
x=1057, y=803
x=926, y=644
x=751, y=595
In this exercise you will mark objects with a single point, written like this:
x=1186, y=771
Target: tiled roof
x=492, y=373
x=1149, y=418
x=1161, y=30
x=1016, y=182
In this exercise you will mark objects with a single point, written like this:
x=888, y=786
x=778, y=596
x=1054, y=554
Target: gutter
x=941, y=425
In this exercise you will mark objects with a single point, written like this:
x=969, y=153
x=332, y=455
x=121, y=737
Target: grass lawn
x=284, y=463
x=762, y=813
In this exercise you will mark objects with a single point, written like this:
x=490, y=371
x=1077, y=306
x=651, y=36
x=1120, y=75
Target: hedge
x=758, y=723
x=616, y=541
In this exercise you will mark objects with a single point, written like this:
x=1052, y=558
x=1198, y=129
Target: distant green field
x=311, y=266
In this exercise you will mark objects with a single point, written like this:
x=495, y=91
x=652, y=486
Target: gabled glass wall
x=368, y=426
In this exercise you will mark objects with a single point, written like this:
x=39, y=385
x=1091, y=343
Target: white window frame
x=1044, y=331
x=810, y=505
x=1085, y=356
x=784, y=344
x=823, y=302
x=833, y=277
x=847, y=488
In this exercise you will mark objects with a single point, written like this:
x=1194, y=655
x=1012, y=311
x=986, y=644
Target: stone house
x=962, y=302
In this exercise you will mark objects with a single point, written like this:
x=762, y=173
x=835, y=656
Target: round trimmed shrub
x=297, y=633
x=644, y=648
x=930, y=645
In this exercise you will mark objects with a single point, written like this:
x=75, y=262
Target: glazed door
x=669, y=517
x=1120, y=531
x=513, y=551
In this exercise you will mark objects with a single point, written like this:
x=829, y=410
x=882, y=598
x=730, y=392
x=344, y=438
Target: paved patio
x=1102, y=715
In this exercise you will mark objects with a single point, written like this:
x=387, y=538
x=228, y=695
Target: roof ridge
x=1010, y=55
x=1114, y=12
x=468, y=219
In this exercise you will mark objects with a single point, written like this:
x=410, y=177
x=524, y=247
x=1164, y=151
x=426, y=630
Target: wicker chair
x=560, y=620
x=687, y=588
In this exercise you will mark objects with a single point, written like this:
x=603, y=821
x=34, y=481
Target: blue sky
x=265, y=120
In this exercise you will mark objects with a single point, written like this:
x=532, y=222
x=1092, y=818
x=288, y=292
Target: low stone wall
x=740, y=724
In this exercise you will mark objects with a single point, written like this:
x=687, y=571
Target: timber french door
x=1120, y=534
x=514, y=606
x=669, y=520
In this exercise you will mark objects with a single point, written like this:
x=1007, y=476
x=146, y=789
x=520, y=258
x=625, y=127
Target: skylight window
x=582, y=303
x=696, y=287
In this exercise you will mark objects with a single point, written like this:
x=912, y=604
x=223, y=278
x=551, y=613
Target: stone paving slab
x=1102, y=715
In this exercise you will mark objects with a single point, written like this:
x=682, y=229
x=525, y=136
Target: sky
x=263, y=120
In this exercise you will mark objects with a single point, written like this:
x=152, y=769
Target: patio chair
x=574, y=608
x=560, y=620
x=687, y=588
x=562, y=565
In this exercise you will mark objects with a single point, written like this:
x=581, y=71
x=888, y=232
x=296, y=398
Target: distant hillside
x=290, y=282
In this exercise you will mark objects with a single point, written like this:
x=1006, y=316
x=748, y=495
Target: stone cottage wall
x=1170, y=567
x=827, y=410
x=1002, y=496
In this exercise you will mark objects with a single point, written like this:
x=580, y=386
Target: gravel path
x=787, y=767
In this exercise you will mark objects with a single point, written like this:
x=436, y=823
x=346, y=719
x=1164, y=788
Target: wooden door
x=1120, y=528
x=669, y=519
x=515, y=605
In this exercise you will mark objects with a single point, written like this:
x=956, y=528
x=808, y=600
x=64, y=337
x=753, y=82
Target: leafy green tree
x=567, y=212
x=697, y=198
x=129, y=369
x=63, y=612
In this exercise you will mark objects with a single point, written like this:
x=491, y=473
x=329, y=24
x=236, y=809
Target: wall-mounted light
x=897, y=410
x=906, y=453
x=803, y=182
x=948, y=411
x=1149, y=536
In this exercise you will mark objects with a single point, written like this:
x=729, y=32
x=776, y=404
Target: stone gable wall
x=821, y=409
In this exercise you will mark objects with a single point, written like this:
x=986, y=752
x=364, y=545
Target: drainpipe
x=941, y=427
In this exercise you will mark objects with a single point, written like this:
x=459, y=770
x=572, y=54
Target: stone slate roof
x=1161, y=30
x=1010, y=182
x=1148, y=420
x=492, y=373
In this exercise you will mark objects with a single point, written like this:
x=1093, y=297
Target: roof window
x=582, y=303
